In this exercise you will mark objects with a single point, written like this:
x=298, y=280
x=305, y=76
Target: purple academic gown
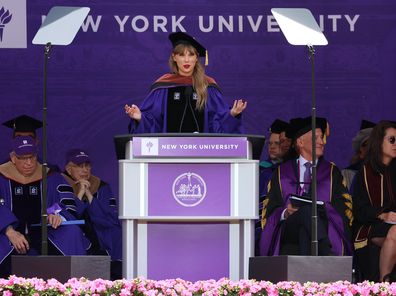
x=217, y=117
x=330, y=190
x=103, y=214
x=69, y=240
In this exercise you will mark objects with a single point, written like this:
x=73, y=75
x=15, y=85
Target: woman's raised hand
x=239, y=106
x=133, y=111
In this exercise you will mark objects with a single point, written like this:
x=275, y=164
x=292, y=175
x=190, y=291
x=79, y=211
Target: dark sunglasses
x=392, y=139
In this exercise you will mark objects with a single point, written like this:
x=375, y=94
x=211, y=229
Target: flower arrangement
x=178, y=287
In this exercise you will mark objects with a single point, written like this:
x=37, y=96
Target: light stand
x=314, y=225
x=300, y=28
x=44, y=234
x=59, y=28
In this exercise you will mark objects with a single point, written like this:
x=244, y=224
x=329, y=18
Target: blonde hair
x=199, y=81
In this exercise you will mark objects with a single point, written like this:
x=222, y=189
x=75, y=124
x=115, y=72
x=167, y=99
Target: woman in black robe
x=374, y=204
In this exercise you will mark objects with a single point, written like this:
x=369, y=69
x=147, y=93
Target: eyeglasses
x=84, y=165
x=26, y=158
x=392, y=139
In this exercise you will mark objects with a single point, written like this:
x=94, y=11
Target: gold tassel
x=206, y=58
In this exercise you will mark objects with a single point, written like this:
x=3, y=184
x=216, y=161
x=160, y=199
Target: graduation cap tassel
x=206, y=58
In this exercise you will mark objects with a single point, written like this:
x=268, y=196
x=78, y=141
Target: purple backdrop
x=110, y=65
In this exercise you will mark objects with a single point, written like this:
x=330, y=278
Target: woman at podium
x=185, y=100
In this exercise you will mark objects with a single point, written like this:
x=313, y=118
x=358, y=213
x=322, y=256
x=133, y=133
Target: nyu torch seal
x=5, y=18
x=13, y=24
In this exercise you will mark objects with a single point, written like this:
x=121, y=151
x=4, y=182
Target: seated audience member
x=359, y=145
x=97, y=205
x=20, y=208
x=288, y=147
x=287, y=223
x=374, y=198
x=275, y=154
x=266, y=167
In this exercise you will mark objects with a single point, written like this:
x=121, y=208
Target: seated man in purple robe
x=286, y=222
x=20, y=208
x=97, y=205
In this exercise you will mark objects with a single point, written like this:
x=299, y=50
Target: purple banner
x=191, y=251
x=190, y=147
x=123, y=47
x=189, y=189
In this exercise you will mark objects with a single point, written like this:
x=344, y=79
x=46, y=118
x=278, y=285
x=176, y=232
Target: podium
x=188, y=204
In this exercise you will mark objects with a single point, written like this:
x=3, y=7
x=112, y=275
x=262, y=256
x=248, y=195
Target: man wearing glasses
x=20, y=208
x=97, y=205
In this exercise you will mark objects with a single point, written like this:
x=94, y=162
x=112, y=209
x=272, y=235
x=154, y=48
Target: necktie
x=307, y=177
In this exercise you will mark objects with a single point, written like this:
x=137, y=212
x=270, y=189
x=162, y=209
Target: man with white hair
x=97, y=206
x=20, y=208
x=286, y=217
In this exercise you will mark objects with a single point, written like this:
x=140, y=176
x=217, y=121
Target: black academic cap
x=291, y=130
x=321, y=123
x=366, y=124
x=302, y=126
x=278, y=126
x=183, y=38
x=24, y=123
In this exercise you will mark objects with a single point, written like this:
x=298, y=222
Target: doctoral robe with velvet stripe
x=101, y=215
x=330, y=190
x=374, y=193
x=217, y=117
x=69, y=240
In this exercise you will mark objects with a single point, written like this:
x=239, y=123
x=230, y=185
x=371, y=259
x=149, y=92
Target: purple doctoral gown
x=217, y=117
x=330, y=190
x=103, y=215
x=69, y=240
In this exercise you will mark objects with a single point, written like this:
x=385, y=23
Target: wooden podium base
x=301, y=268
x=61, y=268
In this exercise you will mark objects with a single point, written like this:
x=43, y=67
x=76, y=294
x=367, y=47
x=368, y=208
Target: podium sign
x=188, y=207
x=189, y=147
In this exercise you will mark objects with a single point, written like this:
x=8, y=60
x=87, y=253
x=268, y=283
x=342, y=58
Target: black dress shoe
x=390, y=278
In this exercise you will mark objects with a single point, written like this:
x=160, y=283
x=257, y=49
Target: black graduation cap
x=183, y=38
x=302, y=126
x=321, y=123
x=294, y=123
x=24, y=123
x=366, y=124
x=278, y=126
